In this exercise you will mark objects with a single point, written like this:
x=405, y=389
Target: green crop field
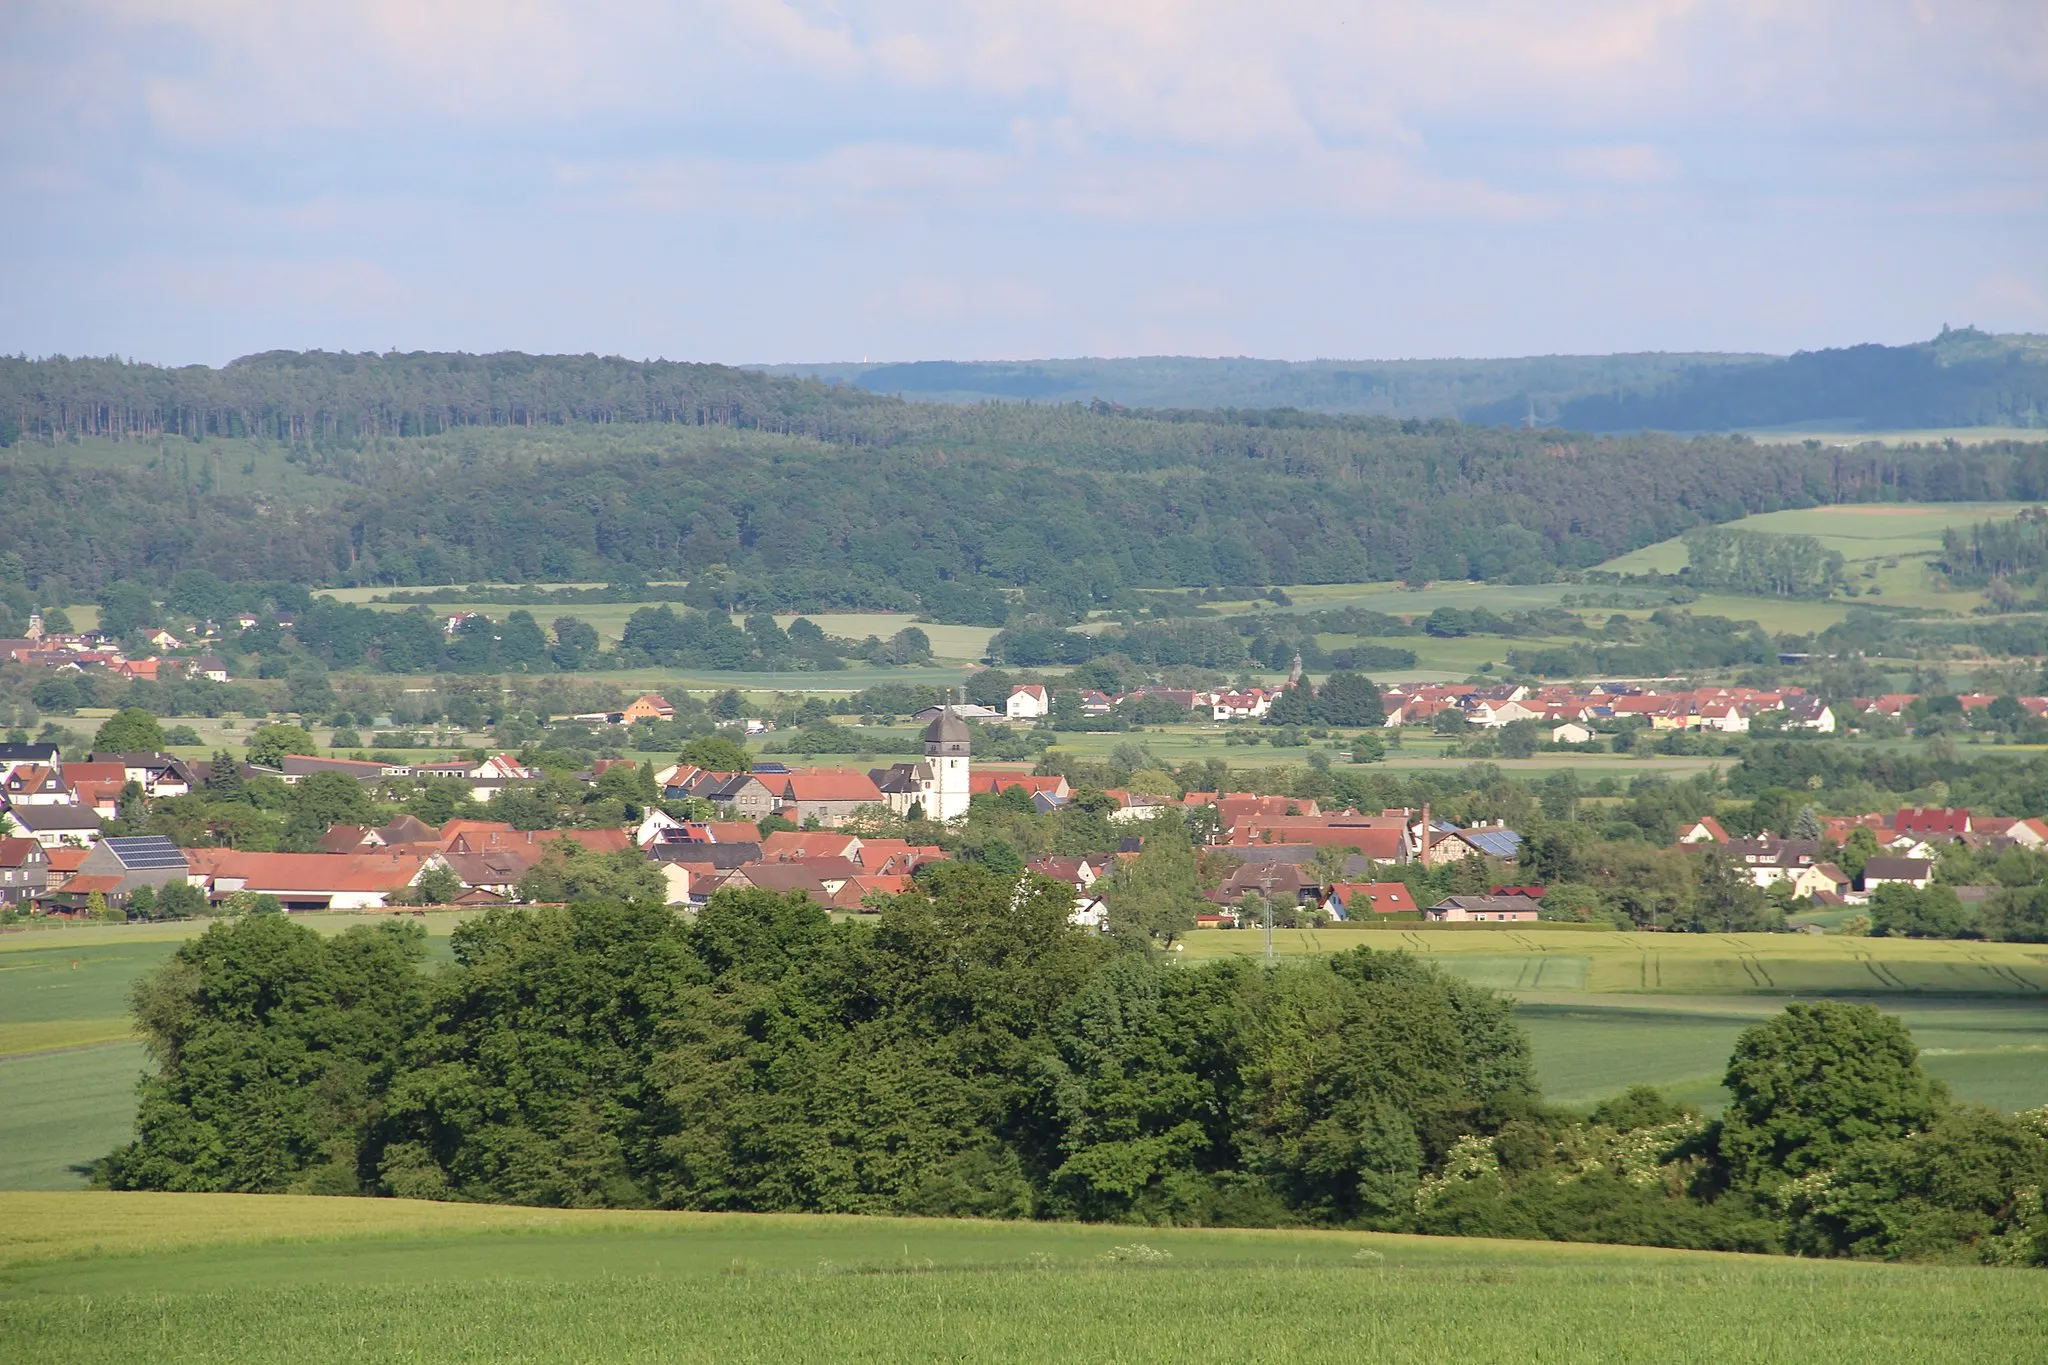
x=91, y=1277
x=1856, y=530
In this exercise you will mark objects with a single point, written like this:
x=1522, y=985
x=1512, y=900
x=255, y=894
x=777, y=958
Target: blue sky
x=780, y=180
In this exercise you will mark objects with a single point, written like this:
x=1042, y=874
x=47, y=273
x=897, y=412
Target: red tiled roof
x=65, y=858
x=790, y=845
x=827, y=785
x=1383, y=898
x=310, y=873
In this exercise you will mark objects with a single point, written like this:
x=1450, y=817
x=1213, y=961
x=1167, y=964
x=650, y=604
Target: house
x=1094, y=703
x=1822, y=879
x=1356, y=900
x=1028, y=701
x=2030, y=832
x=208, y=667
x=1767, y=860
x=14, y=756
x=1280, y=882
x=740, y=794
x=1809, y=713
x=966, y=710
x=495, y=859
x=997, y=783
x=1571, y=732
x=311, y=881
x=1913, y=872
x=1930, y=822
x=1705, y=830
x=1461, y=909
x=33, y=784
x=827, y=795
x=135, y=861
x=24, y=871
x=647, y=707
x=55, y=825
x=1136, y=806
x=1446, y=844
x=157, y=774
x=296, y=768
x=1374, y=837
x=1250, y=704
x=789, y=846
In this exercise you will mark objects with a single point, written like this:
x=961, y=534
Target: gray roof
x=1271, y=853
x=947, y=729
x=55, y=817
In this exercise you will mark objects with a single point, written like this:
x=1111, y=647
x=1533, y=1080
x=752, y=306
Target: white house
x=1571, y=732
x=1028, y=701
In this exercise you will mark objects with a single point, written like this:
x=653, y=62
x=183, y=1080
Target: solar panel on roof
x=139, y=851
x=1499, y=843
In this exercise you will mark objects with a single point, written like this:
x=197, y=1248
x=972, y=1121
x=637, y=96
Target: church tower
x=946, y=743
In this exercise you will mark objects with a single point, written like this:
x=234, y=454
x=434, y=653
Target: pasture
x=90, y=1277
x=1857, y=531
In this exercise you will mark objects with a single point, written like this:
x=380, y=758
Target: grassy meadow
x=1887, y=546
x=91, y=1277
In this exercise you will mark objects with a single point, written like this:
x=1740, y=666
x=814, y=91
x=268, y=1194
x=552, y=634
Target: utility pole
x=1266, y=899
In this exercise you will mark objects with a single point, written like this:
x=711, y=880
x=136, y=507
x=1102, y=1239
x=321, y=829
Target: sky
x=185, y=181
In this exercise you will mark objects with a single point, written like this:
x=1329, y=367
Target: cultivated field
x=90, y=1277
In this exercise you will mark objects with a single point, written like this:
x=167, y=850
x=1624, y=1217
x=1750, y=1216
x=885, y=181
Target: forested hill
x=1498, y=392
x=817, y=496
x=1960, y=379
x=318, y=395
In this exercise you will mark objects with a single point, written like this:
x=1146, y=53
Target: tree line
x=971, y=1054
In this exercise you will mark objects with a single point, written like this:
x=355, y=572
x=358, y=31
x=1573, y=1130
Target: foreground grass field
x=89, y=1277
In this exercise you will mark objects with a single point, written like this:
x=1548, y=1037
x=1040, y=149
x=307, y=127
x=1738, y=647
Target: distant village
x=784, y=829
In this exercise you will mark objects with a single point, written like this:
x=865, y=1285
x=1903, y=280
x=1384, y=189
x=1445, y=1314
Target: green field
x=91, y=1277
x=1607, y=1010
x=1833, y=434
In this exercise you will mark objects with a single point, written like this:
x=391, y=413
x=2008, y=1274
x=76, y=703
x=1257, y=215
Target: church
x=937, y=787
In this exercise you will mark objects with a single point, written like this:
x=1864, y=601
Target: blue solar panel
x=1495, y=843
x=140, y=851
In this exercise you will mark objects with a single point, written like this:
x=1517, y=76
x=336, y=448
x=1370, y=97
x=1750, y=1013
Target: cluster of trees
x=692, y=639
x=1671, y=640
x=971, y=1054
x=1760, y=562
x=2010, y=551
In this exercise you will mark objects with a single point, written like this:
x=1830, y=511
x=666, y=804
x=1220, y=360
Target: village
x=812, y=831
